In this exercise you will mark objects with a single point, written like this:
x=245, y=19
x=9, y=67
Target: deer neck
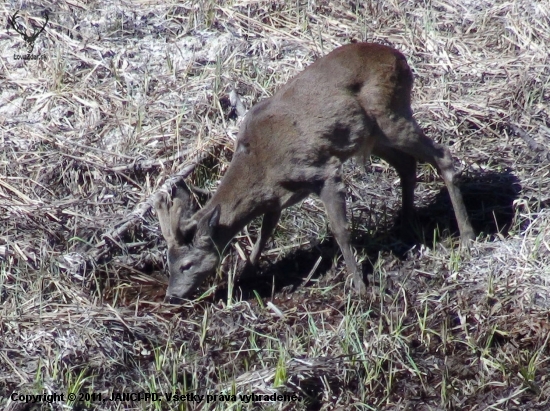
x=242, y=197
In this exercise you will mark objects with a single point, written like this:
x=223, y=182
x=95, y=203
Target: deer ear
x=184, y=199
x=207, y=227
x=185, y=231
x=184, y=227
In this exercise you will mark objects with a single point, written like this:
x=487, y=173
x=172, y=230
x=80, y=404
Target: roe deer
x=354, y=101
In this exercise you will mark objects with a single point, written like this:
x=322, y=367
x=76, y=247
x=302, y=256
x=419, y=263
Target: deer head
x=192, y=254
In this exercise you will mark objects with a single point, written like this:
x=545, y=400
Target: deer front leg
x=333, y=196
x=269, y=222
x=445, y=165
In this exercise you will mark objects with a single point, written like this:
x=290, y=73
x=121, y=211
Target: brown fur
x=354, y=101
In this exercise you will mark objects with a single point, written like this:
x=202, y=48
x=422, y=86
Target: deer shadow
x=488, y=197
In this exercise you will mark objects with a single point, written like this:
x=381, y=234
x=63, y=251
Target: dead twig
x=531, y=143
x=104, y=250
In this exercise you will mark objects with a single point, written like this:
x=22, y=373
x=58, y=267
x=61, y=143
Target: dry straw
x=126, y=95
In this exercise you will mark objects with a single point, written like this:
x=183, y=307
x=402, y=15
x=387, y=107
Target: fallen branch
x=530, y=141
x=104, y=250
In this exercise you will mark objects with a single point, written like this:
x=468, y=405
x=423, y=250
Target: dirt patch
x=126, y=94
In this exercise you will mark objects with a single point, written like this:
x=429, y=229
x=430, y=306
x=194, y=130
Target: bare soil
x=123, y=95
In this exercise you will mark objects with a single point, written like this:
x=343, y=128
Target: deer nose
x=173, y=300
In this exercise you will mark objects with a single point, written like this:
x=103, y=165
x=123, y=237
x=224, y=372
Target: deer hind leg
x=405, y=164
x=333, y=196
x=404, y=134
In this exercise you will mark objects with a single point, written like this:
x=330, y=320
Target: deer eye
x=185, y=267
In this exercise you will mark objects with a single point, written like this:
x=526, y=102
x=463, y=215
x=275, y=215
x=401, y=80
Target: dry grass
x=129, y=93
